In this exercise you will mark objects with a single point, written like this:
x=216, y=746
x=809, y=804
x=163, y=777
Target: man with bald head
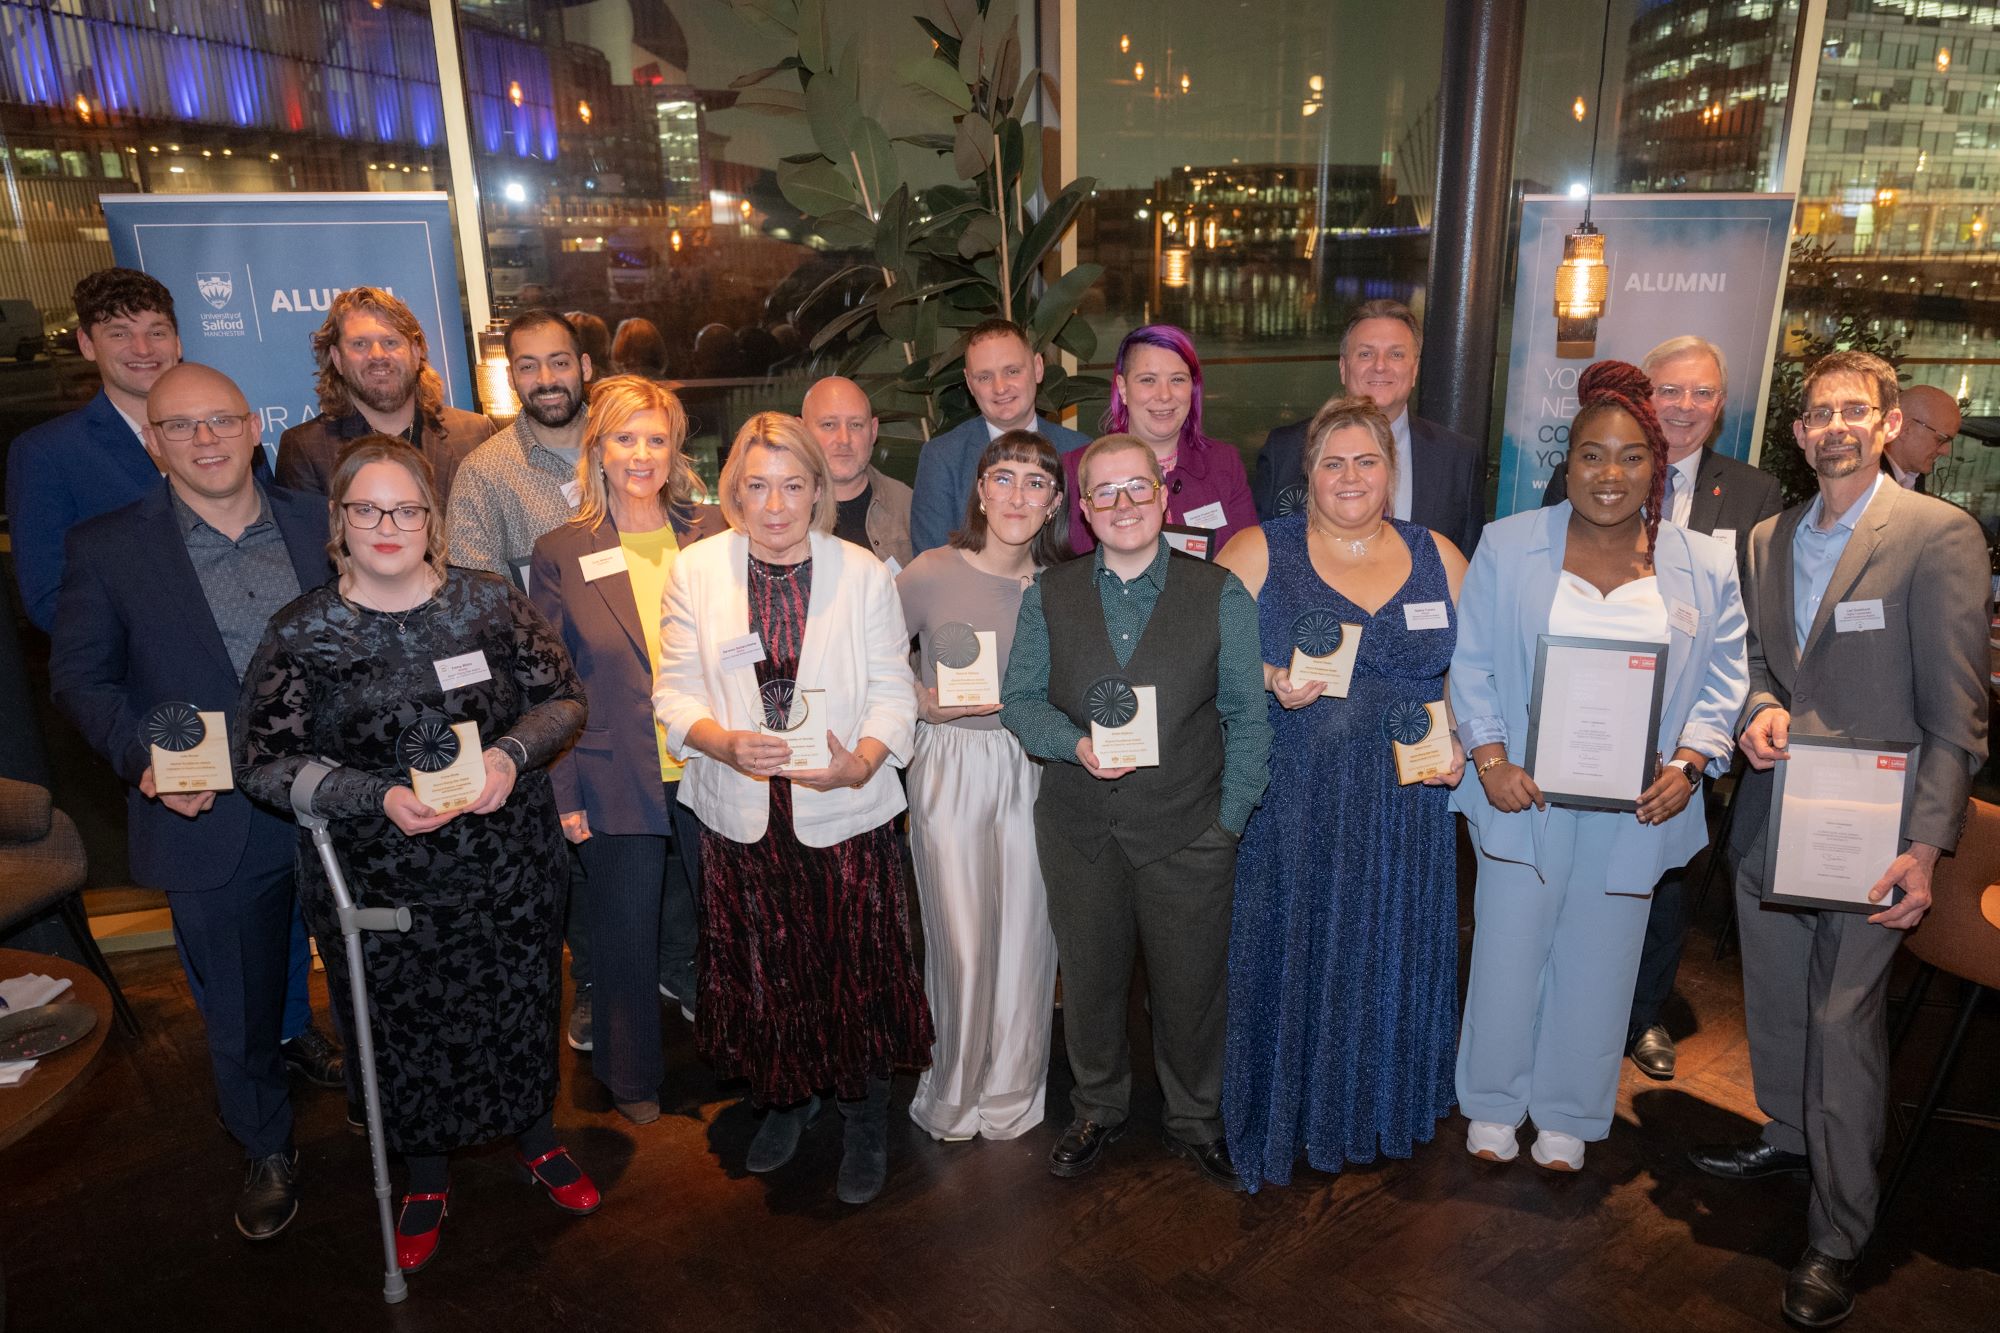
x=163, y=602
x=1930, y=424
x=874, y=509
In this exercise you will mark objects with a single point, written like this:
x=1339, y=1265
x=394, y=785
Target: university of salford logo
x=215, y=288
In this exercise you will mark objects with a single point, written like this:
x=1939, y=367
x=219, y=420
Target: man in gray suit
x=1712, y=493
x=1867, y=610
x=1001, y=372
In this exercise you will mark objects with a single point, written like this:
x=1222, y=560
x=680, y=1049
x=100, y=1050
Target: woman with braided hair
x=1561, y=903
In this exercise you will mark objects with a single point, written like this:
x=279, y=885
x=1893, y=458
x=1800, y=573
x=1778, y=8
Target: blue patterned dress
x=1343, y=952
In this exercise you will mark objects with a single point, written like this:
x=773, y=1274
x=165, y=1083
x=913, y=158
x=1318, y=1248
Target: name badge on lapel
x=600, y=564
x=1849, y=617
x=1684, y=618
x=465, y=669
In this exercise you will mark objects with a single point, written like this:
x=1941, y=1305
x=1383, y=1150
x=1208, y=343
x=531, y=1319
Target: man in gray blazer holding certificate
x=1867, y=609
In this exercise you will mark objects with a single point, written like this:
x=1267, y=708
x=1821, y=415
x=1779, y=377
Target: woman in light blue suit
x=1562, y=895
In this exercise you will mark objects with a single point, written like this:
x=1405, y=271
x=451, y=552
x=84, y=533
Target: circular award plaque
x=784, y=704
x=1317, y=633
x=1111, y=702
x=1292, y=499
x=428, y=745
x=175, y=727
x=955, y=645
x=1407, y=723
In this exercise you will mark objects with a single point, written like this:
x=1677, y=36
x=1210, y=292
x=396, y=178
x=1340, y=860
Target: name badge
x=1426, y=615
x=598, y=564
x=1684, y=617
x=1208, y=516
x=572, y=491
x=1726, y=536
x=465, y=669
x=1851, y=616
x=744, y=651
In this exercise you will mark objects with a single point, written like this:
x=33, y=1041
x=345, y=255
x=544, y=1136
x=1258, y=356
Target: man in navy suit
x=1001, y=372
x=1440, y=474
x=164, y=601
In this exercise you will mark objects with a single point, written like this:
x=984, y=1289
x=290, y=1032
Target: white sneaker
x=1558, y=1151
x=1491, y=1142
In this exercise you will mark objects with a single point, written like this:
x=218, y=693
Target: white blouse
x=1633, y=610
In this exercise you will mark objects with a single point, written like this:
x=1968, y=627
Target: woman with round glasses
x=600, y=580
x=1156, y=396
x=410, y=674
x=989, y=956
x=779, y=639
x=1343, y=952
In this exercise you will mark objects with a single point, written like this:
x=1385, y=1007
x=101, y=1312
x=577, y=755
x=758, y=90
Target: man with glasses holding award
x=161, y=607
x=1135, y=674
x=1867, y=610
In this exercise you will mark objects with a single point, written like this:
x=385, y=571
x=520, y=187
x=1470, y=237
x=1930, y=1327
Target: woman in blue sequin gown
x=1343, y=953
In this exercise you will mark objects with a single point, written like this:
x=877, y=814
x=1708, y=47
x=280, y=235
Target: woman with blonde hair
x=780, y=640
x=600, y=579
x=395, y=671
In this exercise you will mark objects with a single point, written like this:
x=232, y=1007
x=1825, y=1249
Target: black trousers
x=1660, y=957
x=1177, y=909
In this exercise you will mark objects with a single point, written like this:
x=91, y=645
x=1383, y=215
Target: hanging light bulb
x=514, y=92
x=1582, y=284
x=1186, y=83
x=1578, y=110
x=1124, y=44
x=583, y=112
x=1138, y=71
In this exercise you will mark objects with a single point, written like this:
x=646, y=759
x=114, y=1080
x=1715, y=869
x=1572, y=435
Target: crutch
x=353, y=920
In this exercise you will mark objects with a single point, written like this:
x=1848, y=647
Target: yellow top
x=648, y=558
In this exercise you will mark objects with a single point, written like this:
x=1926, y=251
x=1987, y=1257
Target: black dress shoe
x=1653, y=1052
x=1747, y=1162
x=1211, y=1159
x=313, y=1057
x=1081, y=1145
x=270, y=1197
x=1819, y=1292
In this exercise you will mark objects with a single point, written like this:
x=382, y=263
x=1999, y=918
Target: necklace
x=400, y=621
x=1355, y=546
x=766, y=569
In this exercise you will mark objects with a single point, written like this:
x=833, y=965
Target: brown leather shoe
x=1819, y=1291
x=1653, y=1052
x=1081, y=1145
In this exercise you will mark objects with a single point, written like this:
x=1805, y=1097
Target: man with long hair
x=375, y=376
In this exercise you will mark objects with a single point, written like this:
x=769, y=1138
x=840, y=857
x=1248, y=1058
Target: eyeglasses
x=1935, y=433
x=223, y=425
x=366, y=517
x=1141, y=489
x=1854, y=414
x=1700, y=397
x=1035, y=490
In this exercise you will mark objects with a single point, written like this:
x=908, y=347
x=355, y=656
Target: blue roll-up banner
x=252, y=276
x=1706, y=264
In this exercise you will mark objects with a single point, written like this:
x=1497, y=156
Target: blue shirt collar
x=1847, y=520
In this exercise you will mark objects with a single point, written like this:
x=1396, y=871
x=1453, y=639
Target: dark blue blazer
x=133, y=630
x=612, y=773
x=82, y=464
x=1447, y=492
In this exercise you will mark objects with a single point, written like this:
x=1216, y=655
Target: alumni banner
x=1706, y=264
x=252, y=276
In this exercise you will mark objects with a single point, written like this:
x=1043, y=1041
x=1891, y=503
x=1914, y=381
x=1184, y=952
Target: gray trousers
x=1815, y=991
x=1177, y=910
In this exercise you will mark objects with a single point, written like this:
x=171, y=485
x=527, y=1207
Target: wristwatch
x=1687, y=770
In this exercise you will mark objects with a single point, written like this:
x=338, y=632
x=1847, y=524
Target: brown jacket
x=307, y=451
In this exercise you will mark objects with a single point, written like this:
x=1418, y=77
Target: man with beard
x=522, y=483
x=375, y=376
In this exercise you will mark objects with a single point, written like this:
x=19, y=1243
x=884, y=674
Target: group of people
x=710, y=702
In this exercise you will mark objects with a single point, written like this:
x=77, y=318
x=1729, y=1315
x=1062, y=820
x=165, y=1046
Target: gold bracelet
x=1492, y=763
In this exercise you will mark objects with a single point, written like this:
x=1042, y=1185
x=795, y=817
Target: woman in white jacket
x=777, y=637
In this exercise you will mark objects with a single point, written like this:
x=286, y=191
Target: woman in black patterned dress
x=465, y=1001
x=807, y=981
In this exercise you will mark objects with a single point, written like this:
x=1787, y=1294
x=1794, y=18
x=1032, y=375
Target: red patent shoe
x=579, y=1196
x=415, y=1249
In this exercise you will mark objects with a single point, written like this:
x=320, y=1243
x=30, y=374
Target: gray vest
x=1152, y=812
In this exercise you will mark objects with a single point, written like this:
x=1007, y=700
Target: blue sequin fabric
x=1343, y=950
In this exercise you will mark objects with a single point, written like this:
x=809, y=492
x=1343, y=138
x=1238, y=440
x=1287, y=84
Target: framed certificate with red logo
x=1593, y=719
x=1837, y=810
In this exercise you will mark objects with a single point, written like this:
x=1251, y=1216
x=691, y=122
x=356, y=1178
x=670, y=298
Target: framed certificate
x=190, y=749
x=798, y=718
x=1592, y=720
x=968, y=665
x=447, y=768
x=1189, y=540
x=1323, y=649
x=1124, y=723
x=1837, y=808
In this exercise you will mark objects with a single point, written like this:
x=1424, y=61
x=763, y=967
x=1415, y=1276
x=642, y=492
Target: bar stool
x=1959, y=935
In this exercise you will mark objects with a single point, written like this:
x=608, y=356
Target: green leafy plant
x=944, y=258
x=1814, y=277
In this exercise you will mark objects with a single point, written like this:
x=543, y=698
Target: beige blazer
x=856, y=648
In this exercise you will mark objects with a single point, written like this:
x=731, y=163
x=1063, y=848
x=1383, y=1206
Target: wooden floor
x=117, y=1216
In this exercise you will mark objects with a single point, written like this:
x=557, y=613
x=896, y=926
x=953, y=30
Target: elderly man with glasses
x=1140, y=853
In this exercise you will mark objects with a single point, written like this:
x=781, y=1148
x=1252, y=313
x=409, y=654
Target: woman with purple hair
x=1156, y=397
